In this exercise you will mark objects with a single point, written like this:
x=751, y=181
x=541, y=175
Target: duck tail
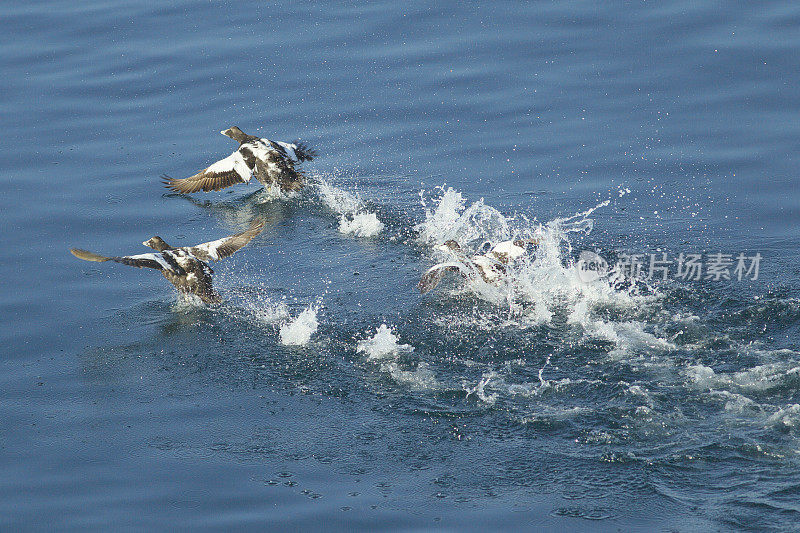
x=303, y=152
x=88, y=256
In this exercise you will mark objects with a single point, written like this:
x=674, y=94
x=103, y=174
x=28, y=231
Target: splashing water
x=422, y=378
x=544, y=284
x=273, y=192
x=451, y=221
x=479, y=389
x=383, y=345
x=186, y=303
x=299, y=331
x=354, y=217
x=360, y=224
x=267, y=312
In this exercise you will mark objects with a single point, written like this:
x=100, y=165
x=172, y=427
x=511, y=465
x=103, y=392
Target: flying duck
x=490, y=266
x=185, y=267
x=272, y=163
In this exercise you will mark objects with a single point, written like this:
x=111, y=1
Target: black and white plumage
x=271, y=162
x=185, y=267
x=490, y=266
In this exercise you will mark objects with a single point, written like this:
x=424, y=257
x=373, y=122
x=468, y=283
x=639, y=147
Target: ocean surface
x=327, y=393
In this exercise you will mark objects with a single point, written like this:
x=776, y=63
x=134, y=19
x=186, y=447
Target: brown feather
x=231, y=244
x=203, y=181
x=88, y=256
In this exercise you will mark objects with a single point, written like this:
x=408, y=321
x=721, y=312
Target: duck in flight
x=271, y=162
x=185, y=267
x=490, y=266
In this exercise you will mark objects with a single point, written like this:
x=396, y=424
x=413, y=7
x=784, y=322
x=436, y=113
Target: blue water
x=123, y=407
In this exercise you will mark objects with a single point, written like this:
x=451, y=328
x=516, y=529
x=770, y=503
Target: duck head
x=450, y=246
x=157, y=243
x=235, y=133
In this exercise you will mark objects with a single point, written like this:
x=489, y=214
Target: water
x=326, y=391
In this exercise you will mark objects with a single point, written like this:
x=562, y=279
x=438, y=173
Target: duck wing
x=434, y=275
x=295, y=152
x=152, y=260
x=226, y=247
x=224, y=173
x=302, y=152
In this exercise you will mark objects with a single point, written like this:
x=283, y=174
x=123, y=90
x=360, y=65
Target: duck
x=185, y=267
x=490, y=266
x=271, y=162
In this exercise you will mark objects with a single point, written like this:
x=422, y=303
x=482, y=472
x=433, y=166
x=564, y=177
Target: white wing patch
x=507, y=250
x=460, y=266
x=211, y=248
x=264, y=146
x=158, y=258
x=289, y=149
x=487, y=268
x=235, y=161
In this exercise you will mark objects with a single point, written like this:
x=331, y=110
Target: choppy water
x=327, y=392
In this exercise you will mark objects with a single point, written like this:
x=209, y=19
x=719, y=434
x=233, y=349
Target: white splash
x=251, y=301
x=299, y=331
x=354, y=217
x=360, y=224
x=450, y=220
x=383, y=345
x=543, y=283
x=384, y=348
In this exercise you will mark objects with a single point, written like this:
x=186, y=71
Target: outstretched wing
x=222, y=248
x=296, y=152
x=434, y=275
x=156, y=261
x=302, y=151
x=224, y=173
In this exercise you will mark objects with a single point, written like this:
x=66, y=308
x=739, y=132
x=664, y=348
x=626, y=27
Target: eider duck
x=185, y=267
x=272, y=163
x=490, y=266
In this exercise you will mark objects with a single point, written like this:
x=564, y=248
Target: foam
x=422, y=378
x=737, y=403
x=786, y=418
x=758, y=379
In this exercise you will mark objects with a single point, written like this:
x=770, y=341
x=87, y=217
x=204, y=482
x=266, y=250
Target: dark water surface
x=551, y=403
